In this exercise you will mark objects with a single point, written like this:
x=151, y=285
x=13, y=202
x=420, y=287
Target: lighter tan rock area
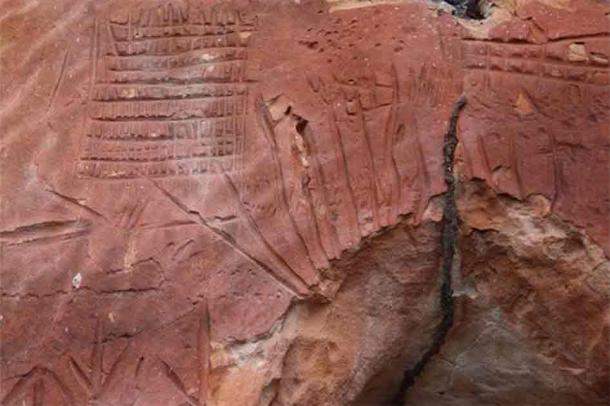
x=304, y=203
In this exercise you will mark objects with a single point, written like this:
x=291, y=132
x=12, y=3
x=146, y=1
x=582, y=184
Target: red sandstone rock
x=234, y=204
x=537, y=121
x=532, y=321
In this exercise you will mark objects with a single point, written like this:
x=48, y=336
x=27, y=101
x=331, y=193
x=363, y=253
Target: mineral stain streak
x=449, y=238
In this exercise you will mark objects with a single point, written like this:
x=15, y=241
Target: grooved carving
x=168, y=94
x=564, y=60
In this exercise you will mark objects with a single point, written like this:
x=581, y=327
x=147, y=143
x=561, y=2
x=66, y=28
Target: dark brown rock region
x=314, y=202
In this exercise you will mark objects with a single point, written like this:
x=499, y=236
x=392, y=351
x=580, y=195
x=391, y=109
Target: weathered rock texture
x=532, y=316
x=258, y=202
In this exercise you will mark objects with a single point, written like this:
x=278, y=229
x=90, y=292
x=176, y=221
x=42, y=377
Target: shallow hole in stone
x=472, y=9
x=300, y=125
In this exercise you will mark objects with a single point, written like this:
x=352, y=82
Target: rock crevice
x=449, y=240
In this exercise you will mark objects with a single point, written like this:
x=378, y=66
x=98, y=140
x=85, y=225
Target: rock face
x=257, y=203
x=531, y=324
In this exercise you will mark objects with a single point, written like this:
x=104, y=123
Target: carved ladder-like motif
x=168, y=94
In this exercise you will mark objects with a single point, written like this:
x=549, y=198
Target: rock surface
x=531, y=323
x=214, y=203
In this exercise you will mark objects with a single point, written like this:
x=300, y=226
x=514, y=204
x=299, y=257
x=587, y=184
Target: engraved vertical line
x=319, y=173
x=242, y=137
x=92, y=81
x=60, y=78
x=468, y=164
x=129, y=33
x=403, y=203
x=305, y=182
x=556, y=171
x=93, y=55
x=391, y=134
x=38, y=395
x=486, y=166
x=373, y=176
x=111, y=38
x=514, y=164
x=487, y=76
x=424, y=181
x=324, y=190
x=97, y=361
x=267, y=124
x=541, y=67
x=316, y=222
x=343, y=162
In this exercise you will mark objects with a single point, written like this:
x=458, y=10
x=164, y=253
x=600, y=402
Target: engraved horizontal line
x=177, y=81
x=236, y=22
x=155, y=144
x=133, y=55
x=508, y=44
x=211, y=71
x=173, y=37
x=133, y=138
x=177, y=109
x=165, y=142
x=550, y=41
x=141, y=53
x=175, y=84
x=198, y=22
x=142, y=177
x=43, y=231
x=133, y=161
x=161, y=98
x=172, y=46
x=150, y=93
x=173, y=104
x=195, y=158
x=189, y=24
x=535, y=76
x=140, y=34
x=53, y=238
x=202, y=138
x=577, y=65
x=110, y=171
x=155, y=131
x=153, y=119
x=157, y=119
x=189, y=65
x=185, y=53
x=570, y=38
x=164, y=121
x=160, y=122
x=191, y=58
x=141, y=100
x=135, y=24
x=542, y=62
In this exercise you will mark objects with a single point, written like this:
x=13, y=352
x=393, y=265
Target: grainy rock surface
x=531, y=324
x=245, y=203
